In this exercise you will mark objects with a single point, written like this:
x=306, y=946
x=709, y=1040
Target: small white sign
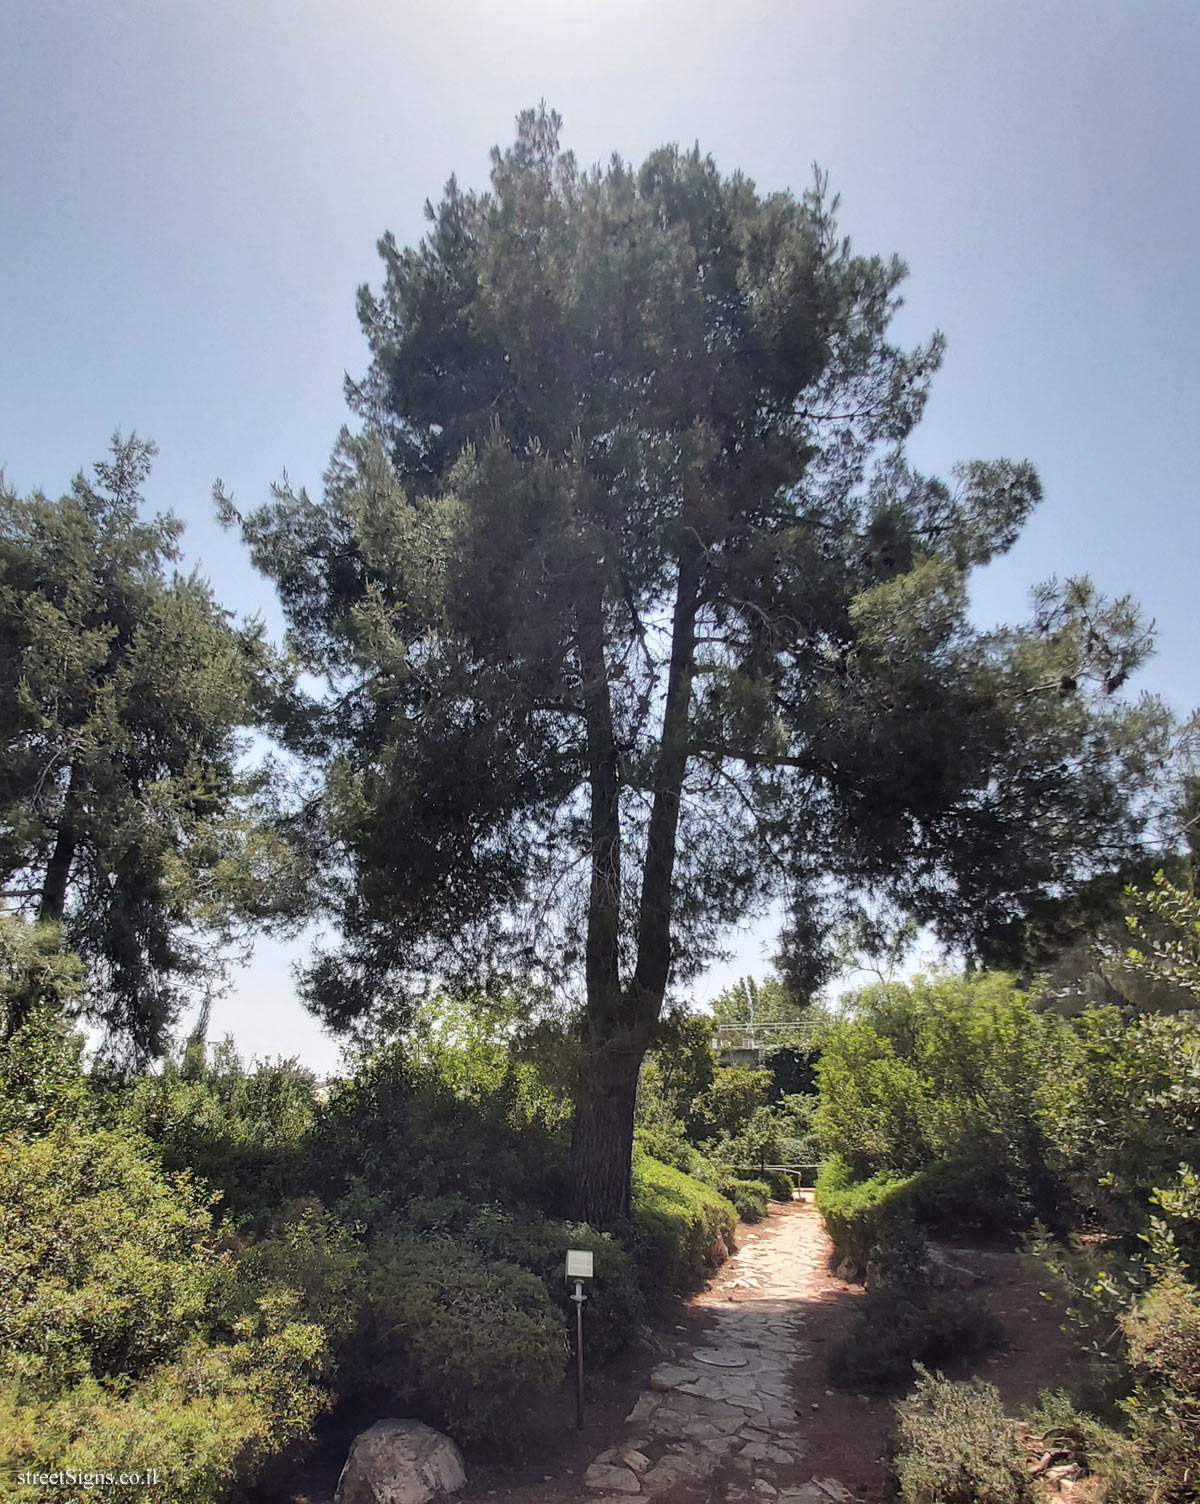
x=579, y=1263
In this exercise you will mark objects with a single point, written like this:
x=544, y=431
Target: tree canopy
x=125, y=815
x=634, y=615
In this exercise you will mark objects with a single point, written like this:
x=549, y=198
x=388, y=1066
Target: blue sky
x=193, y=192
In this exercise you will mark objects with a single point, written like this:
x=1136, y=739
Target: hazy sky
x=193, y=191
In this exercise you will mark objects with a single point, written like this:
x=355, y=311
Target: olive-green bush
x=750, y=1197
x=127, y=1338
x=246, y=1132
x=955, y=1072
x=401, y=1128
x=956, y=1446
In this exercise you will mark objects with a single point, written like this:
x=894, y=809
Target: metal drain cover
x=715, y=1358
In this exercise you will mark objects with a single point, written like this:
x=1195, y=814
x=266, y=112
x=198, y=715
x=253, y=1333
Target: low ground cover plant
x=957, y=1446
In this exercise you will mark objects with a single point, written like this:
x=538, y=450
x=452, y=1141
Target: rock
x=718, y=1251
x=611, y=1479
x=849, y=1271
x=638, y=1461
x=944, y=1274
x=763, y=1489
x=671, y=1375
x=834, y=1490
x=674, y=1469
x=1066, y=1473
x=400, y=1462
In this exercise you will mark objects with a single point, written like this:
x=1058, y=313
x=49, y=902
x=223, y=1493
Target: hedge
x=856, y=1210
x=676, y=1220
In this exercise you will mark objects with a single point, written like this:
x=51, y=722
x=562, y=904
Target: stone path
x=720, y=1423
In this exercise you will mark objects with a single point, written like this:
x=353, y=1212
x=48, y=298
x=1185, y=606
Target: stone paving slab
x=729, y=1401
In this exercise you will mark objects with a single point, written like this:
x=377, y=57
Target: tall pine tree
x=633, y=616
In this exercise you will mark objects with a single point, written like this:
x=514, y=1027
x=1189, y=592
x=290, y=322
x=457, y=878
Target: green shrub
x=41, y=1079
x=900, y=1258
x=726, y=1108
x=658, y=1130
x=958, y=1447
x=474, y=1341
x=895, y=1329
x=539, y=1244
x=779, y=1183
x=855, y=1211
x=399, y=1130
x=105, y=1263
x=676, y=1219
x=127, y=1339
x=245, y=1132
x=749, y=1197
x=958, y=1069
x=981, y=1195
x=1163, y=1336
x=1126, y=1112
x=205, y=1422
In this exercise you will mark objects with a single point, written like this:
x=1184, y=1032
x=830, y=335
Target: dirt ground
x=846, y=1434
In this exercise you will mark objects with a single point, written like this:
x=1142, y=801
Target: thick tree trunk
x=602, y=1140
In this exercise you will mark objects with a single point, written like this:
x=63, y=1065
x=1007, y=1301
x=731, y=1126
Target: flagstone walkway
x=720, y=1423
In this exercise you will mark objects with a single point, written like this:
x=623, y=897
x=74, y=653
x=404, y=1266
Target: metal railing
x=798, y=1170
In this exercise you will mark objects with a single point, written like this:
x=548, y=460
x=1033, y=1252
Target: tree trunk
x=53, y=901
x=602, y=1140
x=618, y=1023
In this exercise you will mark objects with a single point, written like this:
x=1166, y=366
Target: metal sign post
x=579, y=1268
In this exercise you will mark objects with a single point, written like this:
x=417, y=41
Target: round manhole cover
x=717, y=1359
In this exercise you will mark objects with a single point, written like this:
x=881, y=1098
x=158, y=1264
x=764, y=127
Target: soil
x=846, y=1434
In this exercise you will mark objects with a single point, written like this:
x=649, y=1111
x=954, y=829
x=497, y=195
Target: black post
x=578, y=1298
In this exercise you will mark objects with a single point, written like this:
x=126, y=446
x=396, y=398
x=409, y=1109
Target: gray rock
x=945, y=1274
x=611, y=1479
x=671, y=1376
x=400, y=1462
x=674, y=1469
x=834, y=1490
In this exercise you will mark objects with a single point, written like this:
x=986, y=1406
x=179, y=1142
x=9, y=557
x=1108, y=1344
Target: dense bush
x=856, y=1211
x=41, y=1081
x=676, y=1220
x=126, y=1338
x=958, y=1447
x=246, y=1132
x=658, y=1130
x=1163, y=1335
x=436, y=1320
x=405, y=1127
x=473, y=1341
x=1124, y=1112
x=894, y=1329
x=951, y=1070
x=536, y=1243
x=750, y=1197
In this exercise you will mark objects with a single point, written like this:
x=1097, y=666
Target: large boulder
x=400, y=1462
